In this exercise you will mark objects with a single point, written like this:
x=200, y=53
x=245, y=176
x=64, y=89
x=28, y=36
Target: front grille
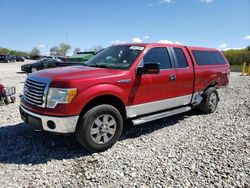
x=34, y=92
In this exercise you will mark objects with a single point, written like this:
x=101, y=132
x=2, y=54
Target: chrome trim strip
x=35, y=97
x=37, y=84
x=30, y=100
x=35, y=94
x=63, y=124
x=160, y=115
x=125, y=81
x=146, y=108
x=36, y=87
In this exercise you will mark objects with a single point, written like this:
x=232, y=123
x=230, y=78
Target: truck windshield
x=116, y=57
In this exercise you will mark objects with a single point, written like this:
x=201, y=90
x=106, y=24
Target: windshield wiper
x=99, y=65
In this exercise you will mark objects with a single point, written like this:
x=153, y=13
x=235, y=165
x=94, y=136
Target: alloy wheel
x=103, y=129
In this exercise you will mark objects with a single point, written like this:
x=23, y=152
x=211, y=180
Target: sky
x=221, y=24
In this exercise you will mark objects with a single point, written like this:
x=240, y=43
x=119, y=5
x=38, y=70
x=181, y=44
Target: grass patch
x=236, y=68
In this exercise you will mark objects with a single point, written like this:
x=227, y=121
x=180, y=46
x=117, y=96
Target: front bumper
x=25, y=69
x=63, y=125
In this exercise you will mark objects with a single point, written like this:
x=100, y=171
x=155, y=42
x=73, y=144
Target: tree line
x=238, y=57
x=58, y=50
x=5, y=51
x=234, y=57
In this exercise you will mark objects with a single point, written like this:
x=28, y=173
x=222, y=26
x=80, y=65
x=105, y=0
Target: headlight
x=60, y=95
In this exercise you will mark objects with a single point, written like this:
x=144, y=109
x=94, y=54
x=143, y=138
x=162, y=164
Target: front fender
x=93, y=92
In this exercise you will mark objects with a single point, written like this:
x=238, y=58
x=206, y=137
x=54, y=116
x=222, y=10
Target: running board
x=160, y=115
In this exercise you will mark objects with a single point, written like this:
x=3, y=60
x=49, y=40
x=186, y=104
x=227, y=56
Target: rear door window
x=181, y=59
x=158, y=55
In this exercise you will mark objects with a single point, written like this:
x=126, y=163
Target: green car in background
x=81, y=57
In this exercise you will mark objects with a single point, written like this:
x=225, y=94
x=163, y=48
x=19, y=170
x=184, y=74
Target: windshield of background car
x=116, y=57
x=41, y=61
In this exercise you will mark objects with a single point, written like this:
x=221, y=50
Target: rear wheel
x=210, y=101
x=99, y=128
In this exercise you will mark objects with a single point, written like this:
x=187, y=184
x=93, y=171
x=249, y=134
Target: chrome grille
x=34, y=92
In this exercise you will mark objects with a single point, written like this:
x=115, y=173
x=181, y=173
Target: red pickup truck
x=136, y=82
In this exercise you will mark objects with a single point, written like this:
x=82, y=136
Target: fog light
x=51, y=124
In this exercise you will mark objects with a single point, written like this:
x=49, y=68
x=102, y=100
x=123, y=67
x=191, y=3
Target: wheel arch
x=213, y=83
x=106, y=99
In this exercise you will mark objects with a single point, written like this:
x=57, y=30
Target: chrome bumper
x=63, y=125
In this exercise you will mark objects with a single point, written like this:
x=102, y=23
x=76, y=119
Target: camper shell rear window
x=208, y=57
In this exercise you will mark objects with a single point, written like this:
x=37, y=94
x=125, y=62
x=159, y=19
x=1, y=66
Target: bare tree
x=97, y=48
x=76, y=50
x=35, y=51
x=55, y=51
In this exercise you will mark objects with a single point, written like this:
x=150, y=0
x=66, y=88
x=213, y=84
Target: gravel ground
x=188, y=150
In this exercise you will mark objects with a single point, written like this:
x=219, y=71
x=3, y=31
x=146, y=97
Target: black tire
x=13, y=99
x=88, y=121
x=210, y=101
x=7, y=101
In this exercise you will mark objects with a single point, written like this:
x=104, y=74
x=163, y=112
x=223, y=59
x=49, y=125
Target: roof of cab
x=168, y=45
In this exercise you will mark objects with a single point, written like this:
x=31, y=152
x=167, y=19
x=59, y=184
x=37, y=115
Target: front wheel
x=7, y=100
x=210, y=101
x=99, y=128
x=33, y=69
x=13, y=99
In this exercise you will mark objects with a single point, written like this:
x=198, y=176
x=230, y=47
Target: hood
x=77, y=73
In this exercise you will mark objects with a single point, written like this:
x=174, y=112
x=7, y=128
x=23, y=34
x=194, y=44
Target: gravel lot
x=188, y=150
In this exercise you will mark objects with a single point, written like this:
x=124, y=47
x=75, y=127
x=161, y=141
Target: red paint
x=94, y=82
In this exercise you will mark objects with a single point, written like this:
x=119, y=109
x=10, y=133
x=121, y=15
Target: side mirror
x=149, y=68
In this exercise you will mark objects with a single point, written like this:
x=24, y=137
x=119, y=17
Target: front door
x=154, y=92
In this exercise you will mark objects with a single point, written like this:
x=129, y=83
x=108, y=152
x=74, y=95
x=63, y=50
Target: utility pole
x=67, y=38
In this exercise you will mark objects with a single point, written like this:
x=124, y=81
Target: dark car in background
x=3, y=59
x=7, y=58
x=19, y=58
x=41, y=64
x=50, y=62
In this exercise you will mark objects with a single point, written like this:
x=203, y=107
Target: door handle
x=172, y=77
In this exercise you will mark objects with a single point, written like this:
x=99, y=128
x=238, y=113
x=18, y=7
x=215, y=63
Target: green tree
x=237, y=57
x=64, y=48
x=35, y=51
x=4, y=51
